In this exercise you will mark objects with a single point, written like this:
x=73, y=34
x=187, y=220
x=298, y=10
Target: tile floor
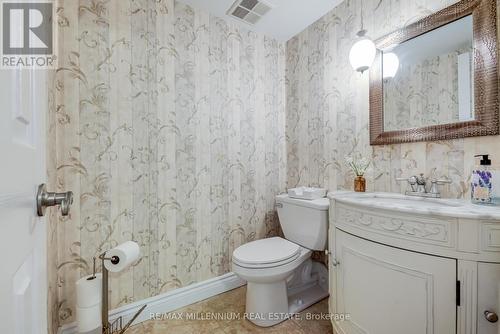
x=232, y=301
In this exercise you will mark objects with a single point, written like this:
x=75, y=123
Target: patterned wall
x=327, y=107
x=169, y=126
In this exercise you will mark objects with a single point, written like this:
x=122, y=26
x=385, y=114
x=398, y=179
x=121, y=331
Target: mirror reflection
x=428, y=80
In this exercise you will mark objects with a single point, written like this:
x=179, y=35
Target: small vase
x=360, y=184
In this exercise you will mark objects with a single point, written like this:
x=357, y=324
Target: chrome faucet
x=418, y=186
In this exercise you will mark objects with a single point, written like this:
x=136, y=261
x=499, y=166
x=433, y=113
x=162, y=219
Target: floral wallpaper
x=423, y=93
x=168, y=124
x=52, y=220
x=328, y=108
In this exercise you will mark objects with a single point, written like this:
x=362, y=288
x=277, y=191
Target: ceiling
x=285, y=20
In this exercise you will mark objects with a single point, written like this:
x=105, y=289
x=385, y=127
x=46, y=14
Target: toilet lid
x=266, y=251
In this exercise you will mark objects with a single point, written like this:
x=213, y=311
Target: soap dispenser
x=482, y=182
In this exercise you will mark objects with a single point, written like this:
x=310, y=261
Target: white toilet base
x=268, y=304
x=306, y=298
x=271, y=312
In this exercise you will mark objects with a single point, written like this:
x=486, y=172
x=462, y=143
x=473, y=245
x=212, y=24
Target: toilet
x=281, y=277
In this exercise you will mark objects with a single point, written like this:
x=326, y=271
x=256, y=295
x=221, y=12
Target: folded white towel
x=309, y=193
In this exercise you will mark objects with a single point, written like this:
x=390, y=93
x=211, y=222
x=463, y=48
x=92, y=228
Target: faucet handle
x=412, y=182
x=434, y=185
x=441, y=181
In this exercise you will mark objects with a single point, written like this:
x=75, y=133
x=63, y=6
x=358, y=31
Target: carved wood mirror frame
x=486, y=112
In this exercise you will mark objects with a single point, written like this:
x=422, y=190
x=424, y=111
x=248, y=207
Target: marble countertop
x=455, y=208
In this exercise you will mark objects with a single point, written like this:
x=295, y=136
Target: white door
x=386, y=290
x=23, y=283
x=488, y=298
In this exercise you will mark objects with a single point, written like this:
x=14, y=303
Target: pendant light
x=363, y=51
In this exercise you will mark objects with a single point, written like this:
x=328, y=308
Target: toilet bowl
x=281, y=278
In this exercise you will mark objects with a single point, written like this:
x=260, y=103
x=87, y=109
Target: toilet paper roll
x=127, y=253
x=89, y=291
x=88, y=318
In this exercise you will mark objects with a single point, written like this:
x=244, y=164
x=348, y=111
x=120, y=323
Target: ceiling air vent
x=249, y=11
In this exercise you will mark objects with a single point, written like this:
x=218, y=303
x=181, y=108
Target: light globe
x=362, y=53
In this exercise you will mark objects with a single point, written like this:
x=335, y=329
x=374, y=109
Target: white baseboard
x=171, y=300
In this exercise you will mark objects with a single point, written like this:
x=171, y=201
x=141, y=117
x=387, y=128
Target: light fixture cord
x=361, y=10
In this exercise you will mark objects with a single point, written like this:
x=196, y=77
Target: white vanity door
x=386, y=290
x=488, y=294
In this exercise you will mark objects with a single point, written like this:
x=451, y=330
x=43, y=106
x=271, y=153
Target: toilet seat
x=265, y=253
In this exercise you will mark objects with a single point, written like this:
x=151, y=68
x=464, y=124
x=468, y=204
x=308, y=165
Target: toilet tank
x=304, y=222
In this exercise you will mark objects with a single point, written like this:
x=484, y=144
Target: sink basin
x=397, y=200
x=457, y=208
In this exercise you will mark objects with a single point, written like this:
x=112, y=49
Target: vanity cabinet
x=398, y=269
x=488, y=294
x=388, y=290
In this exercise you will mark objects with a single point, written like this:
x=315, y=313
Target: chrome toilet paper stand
x=116, y=327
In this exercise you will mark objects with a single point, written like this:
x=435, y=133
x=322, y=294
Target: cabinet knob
x=490, y=316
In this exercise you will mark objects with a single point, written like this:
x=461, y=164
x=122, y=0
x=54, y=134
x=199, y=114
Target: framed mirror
x=437, y=79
